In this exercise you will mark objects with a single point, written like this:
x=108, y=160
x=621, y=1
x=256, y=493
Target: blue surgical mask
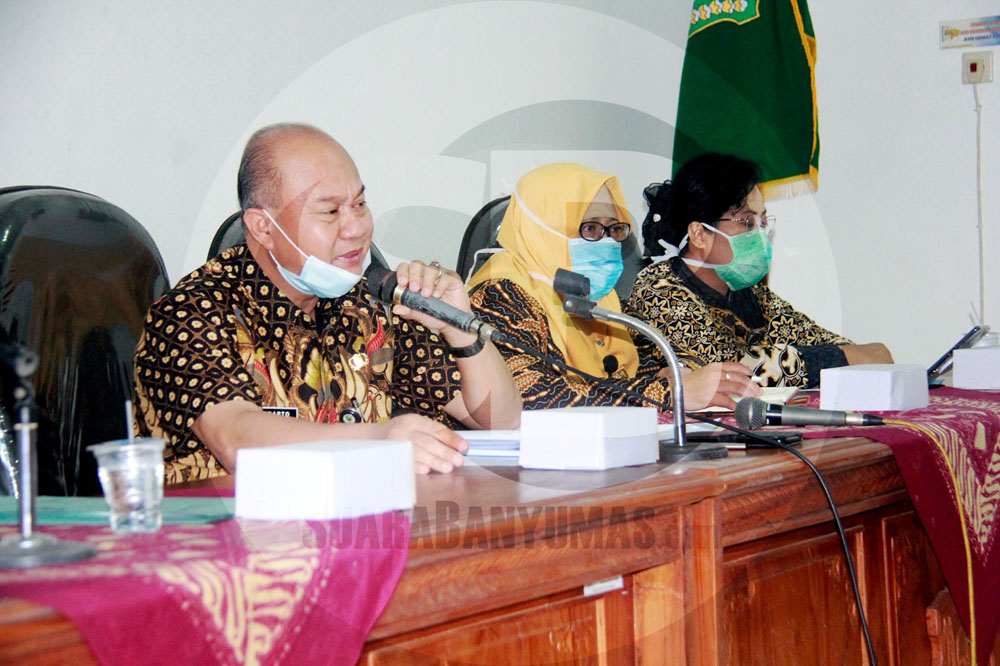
x=599, y=261
x=317, y=277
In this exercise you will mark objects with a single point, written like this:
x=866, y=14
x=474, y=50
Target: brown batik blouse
x=225, y=332
x=752, y=326
x=508, y=307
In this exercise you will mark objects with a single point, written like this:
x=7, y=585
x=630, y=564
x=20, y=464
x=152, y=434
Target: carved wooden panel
x=450, y=583
x=949, y=645
x=912, y=580
x=659, y=616
x=572, y=629
x=788, y=601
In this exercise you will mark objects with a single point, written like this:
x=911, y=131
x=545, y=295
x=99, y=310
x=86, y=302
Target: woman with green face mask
x=709, y=236
x=572, y=217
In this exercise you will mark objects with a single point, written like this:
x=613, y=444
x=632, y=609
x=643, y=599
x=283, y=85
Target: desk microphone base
x=38, y=550
x=670, y=452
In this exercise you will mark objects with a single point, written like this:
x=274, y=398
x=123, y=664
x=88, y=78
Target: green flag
x=748, y=88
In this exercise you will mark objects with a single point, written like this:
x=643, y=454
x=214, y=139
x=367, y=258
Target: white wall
x=898, y=172
x=148, y=105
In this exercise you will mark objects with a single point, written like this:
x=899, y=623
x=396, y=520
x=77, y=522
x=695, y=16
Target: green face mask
x=751, y=259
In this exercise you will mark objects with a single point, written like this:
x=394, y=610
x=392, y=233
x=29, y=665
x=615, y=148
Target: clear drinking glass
x=131, y=473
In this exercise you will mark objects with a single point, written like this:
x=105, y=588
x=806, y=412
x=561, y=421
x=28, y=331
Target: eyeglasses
x=752, y=222
x=595, y=231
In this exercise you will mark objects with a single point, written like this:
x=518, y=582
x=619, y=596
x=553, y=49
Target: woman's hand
x=715, y=384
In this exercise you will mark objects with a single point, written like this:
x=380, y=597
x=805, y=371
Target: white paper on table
x=492, y=443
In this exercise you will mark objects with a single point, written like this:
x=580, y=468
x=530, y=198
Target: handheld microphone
x=383, y=285
x=753, y=413
x=610, y=364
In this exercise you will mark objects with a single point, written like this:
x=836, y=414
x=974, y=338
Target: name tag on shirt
x=290, y=412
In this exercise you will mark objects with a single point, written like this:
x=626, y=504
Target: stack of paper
x=778, y=395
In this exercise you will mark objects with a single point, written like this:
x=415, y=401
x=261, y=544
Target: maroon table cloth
x=952, y=481
x=232, y=592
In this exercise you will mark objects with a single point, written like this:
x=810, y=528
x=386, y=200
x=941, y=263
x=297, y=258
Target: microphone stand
x=28, y=548
x=586, y=308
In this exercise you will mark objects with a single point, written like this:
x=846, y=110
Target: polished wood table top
x=476, y=531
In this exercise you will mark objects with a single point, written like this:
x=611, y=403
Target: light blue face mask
x=318, y=277
x=599, y=261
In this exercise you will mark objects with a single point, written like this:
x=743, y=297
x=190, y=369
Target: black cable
x=508, y=340
x=843, y=542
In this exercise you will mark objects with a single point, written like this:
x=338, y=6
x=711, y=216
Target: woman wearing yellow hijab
x=570, y=216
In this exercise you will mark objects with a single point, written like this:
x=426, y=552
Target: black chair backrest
x=77, y=276
x=632, y=258
x=481, y=234
x=231, y=233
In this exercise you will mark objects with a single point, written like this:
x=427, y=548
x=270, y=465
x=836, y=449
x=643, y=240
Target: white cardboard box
x=324, y=480
x=977, y=368
x=588, y=437
x=877, y=387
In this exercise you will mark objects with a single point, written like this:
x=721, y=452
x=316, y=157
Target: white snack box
x=976, y=368
x=588, y=438
x=324, y=480
x=877, y=387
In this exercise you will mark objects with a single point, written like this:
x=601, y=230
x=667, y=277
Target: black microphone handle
x=383, y=285
x=437, y=309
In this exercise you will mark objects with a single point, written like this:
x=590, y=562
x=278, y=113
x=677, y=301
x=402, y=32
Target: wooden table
x=723, y=562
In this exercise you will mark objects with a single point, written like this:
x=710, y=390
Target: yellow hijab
x=545, y=210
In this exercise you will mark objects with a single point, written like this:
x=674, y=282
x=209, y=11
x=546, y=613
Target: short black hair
x=258, y=180
x=703, y=189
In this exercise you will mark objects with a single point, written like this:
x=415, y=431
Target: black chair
x=77, y=276
x=481, y=234
x=231, y=233
x=480, y=240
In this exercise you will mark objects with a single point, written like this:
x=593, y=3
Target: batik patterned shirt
x=225, y=332
x=752, y=326
x=508, y=307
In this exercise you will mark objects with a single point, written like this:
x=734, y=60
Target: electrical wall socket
x=977, y=67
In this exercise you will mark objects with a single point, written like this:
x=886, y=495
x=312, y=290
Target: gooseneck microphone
x=383, y=285
x=575, y=289
x=753, y=413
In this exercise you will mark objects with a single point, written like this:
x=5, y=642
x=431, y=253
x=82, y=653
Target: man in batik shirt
x=285, y=326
